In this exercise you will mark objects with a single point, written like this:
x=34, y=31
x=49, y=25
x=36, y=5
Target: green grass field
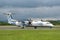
x=29, y=34
x=53, y=34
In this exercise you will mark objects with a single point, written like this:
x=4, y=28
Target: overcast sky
x=30, y=8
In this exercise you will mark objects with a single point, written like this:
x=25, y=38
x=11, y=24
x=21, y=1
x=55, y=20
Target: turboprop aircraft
x=27, y=23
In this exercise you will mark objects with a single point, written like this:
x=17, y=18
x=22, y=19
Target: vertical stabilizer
x=9, y=17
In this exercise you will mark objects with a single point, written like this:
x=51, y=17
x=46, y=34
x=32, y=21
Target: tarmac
x=28, y=28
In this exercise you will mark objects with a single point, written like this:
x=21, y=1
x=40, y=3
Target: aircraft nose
x=51, y=25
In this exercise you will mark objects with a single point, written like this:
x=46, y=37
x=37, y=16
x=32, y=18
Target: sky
x=24, y=9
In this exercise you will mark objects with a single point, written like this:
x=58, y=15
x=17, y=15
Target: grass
x=29, y=34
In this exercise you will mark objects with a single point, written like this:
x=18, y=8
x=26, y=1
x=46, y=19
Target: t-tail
x=9, y=17
x=11, y=20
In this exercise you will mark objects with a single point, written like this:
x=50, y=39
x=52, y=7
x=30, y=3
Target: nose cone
x=51, y=25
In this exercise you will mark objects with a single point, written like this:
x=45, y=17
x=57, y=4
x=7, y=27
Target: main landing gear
x=35, y=27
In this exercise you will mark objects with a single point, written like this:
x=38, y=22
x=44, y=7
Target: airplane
x=27, y=23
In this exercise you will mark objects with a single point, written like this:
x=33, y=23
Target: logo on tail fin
x=9, y=16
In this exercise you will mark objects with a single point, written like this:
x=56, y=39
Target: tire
x=50, y=27
x=35, y=27
x=22, y=27
x=18, y=26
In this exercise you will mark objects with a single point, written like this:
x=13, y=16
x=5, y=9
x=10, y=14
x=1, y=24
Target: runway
x=28, y=28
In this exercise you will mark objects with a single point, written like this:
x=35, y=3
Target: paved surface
x=27, y=28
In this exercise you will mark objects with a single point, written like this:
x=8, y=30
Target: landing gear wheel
x=50, y=27
x=35, y=27
x=18, y=26
x=22, y=27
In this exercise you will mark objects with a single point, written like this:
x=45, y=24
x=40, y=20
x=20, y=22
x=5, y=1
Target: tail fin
x=11, y=20
x=9, y=17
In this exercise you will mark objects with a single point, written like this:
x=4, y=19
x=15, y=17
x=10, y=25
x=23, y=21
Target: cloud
x=29, y=3
x=30, y=8
x=40, y=12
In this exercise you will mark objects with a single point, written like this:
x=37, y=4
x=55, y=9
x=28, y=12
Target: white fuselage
x=26, y=23
x=38, y=23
